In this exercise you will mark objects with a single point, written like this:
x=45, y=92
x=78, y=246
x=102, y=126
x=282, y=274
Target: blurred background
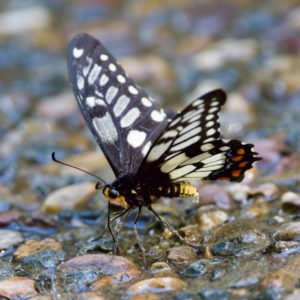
x=176, y=50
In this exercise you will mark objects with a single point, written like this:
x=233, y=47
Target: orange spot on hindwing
x=236, y=173
x=237, y=158
x=241, y=151
x=243, y=164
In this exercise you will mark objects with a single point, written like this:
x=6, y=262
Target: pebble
x=17, y=288
x=9, y=238
x=181, y=254
x=214, y=294
x=161, y=269
x=47, y=108
x=32, y=247
x=290, y=201
x=287, y=232
x=214, y=194
x=209, y=216
x=268, y=190
x=194, y=270
x=6, y=217
x=284, y=246
x=156, y=285
x=104, y=263
x=259, y=207
x=70, y=197
x=29, y=18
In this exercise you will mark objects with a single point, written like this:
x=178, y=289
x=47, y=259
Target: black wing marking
x=122, y=117
x=191, y=148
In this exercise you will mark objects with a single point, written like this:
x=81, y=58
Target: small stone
x=5, y=273
x=161, y=269
x=191, y=233
x=9, y=238
x=291, y=201
x=259, y=207
x=287, y=232
x=252, y=237
x=246, y=282
x=209, y=216
x=106, y=264
x=156, y=285
x=167, y=234
x=146, y=296
x=17, y=288
x=213, y=294
x=9, y=216
x=181, y=254
x=194, y=270
x=32, y=247
x=269, y=190
x=215, y=194
x=70, y=197
x=284, y=246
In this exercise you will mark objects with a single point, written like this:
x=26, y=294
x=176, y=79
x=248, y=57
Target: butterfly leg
x=139, y=239
x=174, y=231
x=123, y=216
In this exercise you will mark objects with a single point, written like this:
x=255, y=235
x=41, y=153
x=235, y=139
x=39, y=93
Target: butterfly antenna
x=62, y=163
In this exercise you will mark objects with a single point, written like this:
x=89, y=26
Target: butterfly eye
x=112, y=193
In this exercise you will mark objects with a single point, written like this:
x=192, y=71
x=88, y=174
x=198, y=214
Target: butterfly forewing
x=123, y=119
x=191, y=148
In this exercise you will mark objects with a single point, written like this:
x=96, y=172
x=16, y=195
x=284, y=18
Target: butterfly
x=153, y=153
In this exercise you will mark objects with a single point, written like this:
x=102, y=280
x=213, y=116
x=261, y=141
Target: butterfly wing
x=191, y=148
x=121, y=116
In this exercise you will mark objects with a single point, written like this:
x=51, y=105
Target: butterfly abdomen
x=179, y=189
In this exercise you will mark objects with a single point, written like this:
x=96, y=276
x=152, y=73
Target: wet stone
x=209, y=216
x=5, y=273
x=70, y=197
x=6, y=217
x=291, y=202
x=259, y=207
x=32, y=265
x=161, y=269
x=181, y=255
x=284, y=246
x=269, y=190
x=185, y=296
x=232, y=249
x=287, y=232
x=156, y=285
x=213, y=294
x=252, y=237
x=104, y=263
x=103, y=244
x=49, y=283
x=32, y=247
x=17, y=288
x=217, y=274
x=9, y=238
x=194, y=270
x=79, y=280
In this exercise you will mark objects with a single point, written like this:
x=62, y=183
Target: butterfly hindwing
x=191, y=148
x=121, y=116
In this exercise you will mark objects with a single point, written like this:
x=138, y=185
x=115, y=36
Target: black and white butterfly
x=152, y=153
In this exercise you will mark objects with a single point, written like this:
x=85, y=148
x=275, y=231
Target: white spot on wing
x=198, y=174
x=157, y=116
x=212, y=110
x=94, y=74
x=189, y=127
x=197, y=102
x=197, y=158
x=185, y=144
x=121, y=78
x=100, y=102
x=136, y=138
x=112, y=67
x=106, y=128
x=77, y=52
x=208, y=117
x=169, y=134
x=210, y=123
x=103, y=79
x=133, y=90
x=188, y=135
x=86, y=69
x=213, y=158
x=146, y=148
x=146, y=102
x=224, y=148
x=111, y=93
x=172, y=163
x=207, y=147
x=80, y=82
x=182, y=171
x=90, y=101
x=121, y=105
x=103, y=57
x=175, y=121
x=209, y=140
x=158, y=150
x=211, y=132
x=214, y=103
x=130, y=117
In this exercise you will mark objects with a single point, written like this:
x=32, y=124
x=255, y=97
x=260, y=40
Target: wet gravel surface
x=51, y=215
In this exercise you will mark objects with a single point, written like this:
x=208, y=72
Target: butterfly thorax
x=129, y=191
